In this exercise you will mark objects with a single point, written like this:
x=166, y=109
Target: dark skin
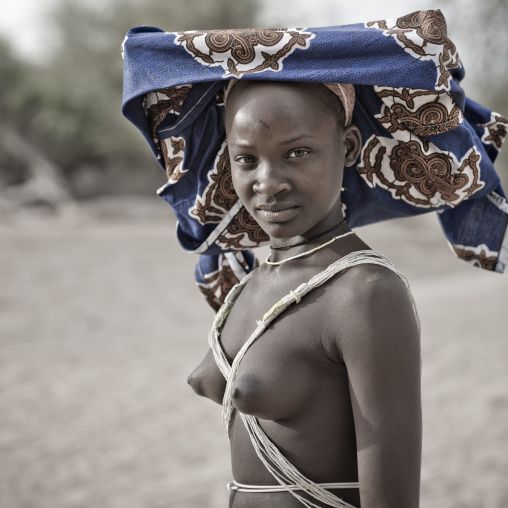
x=334, y=380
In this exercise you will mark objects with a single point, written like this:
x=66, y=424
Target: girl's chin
x=290, y=232
x=282, y=233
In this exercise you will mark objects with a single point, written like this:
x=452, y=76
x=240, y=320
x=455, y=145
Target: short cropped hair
x=332, y=104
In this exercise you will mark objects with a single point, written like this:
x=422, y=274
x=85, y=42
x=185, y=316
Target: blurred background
x=100, y=322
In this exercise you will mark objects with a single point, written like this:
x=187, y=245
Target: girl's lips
x=278, y=215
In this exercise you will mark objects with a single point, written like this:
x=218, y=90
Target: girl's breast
x=272, y=387
x=286, y=369
x=283, y=373
x=207, y=380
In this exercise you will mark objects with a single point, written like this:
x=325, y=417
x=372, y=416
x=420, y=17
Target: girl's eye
x=244, y=159
x=300, y=152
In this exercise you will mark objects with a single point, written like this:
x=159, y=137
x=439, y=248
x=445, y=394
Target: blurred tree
x=27, y=176
x=12, y=73
x=70, y=105
x=481, y=27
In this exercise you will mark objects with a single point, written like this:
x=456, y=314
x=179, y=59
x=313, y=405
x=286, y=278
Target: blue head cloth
x=426, y=146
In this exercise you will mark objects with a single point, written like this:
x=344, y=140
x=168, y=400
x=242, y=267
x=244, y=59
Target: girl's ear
x=352, y=143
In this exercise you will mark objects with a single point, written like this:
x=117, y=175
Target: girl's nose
x=270, y=181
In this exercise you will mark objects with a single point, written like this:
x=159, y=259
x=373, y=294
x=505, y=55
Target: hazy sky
x=338, y=12
x=23, y=21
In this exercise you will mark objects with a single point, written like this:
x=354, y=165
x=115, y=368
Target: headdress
x=426, y=146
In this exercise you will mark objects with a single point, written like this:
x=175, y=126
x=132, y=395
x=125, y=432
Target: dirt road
x=100, y=323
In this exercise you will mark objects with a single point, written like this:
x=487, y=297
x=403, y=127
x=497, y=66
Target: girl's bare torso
x=294, y=381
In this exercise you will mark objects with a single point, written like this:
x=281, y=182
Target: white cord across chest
x=286, y=474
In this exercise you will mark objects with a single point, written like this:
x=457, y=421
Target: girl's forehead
x=337, y=98
x=263, y=99
x=280, y=104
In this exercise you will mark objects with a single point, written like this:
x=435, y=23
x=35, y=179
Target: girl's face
x=287, y=156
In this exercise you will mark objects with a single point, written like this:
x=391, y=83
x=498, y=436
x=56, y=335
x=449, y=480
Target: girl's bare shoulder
x=370, y=306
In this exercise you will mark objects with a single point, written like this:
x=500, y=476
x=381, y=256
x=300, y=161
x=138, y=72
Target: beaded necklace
x=280, y=247
x=268, y=262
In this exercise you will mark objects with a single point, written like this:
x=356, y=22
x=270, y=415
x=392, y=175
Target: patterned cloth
x=426, y=146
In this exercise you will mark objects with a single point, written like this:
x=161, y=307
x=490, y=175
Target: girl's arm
x=381, y=348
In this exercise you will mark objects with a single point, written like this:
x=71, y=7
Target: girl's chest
x=286, y=366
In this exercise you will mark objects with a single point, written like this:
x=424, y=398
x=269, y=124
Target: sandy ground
x=100, y=323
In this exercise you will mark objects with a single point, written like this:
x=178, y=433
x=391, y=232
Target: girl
x=334, y=381
x=315, y=354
